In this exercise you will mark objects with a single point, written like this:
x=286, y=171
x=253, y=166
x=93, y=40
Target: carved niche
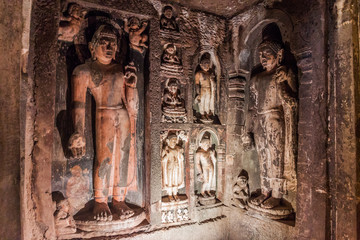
x=168, y=21
x=271, y=125
x=173, y=103
x=170, y=60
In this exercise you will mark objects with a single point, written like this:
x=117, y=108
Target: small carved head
x=103, y=45
x=168, y=12
x=205, y=142
x=205, y=62
x=172, y=140
x=242, y=181
x=76, y=11
x=134, y=23
x=76, y=171
x=271, y=54
x=170, y=49
x=173, y=86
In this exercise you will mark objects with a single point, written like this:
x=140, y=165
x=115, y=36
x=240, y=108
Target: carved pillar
x=192, y=197
x=220, y=190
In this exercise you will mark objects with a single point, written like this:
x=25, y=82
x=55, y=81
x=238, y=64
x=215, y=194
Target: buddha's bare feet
x=122, y=209
x=271, y=203
x=258, y=200
x=171, y=198
x=102, y=212
x=176, y=198
x=203, y=194
x=209, y=194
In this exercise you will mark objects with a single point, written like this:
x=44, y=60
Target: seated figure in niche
x=170, y=55
x=205, y=164
x=167, y=19
x=271, y=119
x=172, y=101
x=205, y=88
x=116, y=100
x=70, y=25
x=172, y=162
x=135, y=29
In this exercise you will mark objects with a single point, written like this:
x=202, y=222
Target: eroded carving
x=241, y=192
x=116, y=100
x=64, y=222
x=205, y=89
x=271, y=121
x=205, y=160
x=173, y=105
x=71, y=23
x=172, y=162
x=170, y=60
x=137, y=38
x=168, y=20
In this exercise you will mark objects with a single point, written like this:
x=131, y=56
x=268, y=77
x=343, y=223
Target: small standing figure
x=70, y=25
x=173, y=106
x=170, y=55
x=167, y=20
x=205, y=163
x=205, y=88
x=172, y=161
x=241, y=192
x=135, y=29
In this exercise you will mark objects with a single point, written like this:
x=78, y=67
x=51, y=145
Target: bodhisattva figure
x=172, y=161
x=272, y=105
x=167, y=19
x=135, y=29
x=241, y=192
x=205, y=164
x=70, y=25
x=170, y=55
x=205, y=88
x=116, y=106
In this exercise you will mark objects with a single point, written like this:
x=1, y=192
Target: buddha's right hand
x=77, y=145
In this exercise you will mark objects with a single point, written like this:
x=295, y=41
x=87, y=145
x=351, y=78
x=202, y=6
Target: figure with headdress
x=205, y=160
x=116, y=99
x=205, y=88
x=271, y=118
x=170, y=55
x=172, y=162
x=173, y=106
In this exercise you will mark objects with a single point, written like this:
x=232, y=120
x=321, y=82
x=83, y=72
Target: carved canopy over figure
x=172, y=162
x=205, y=164
x=167, y=19
x=271, y=119
x=116, y=106
x=205, y=88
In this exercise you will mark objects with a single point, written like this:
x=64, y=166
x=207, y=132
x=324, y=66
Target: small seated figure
x=205, y=164
x=69, y=26
x=205, y=88
x=170, y=55
x=135, y=29
x=172, y=161
x=241, y=192
x=167, y=20
x=64, y=222
x=172, y=101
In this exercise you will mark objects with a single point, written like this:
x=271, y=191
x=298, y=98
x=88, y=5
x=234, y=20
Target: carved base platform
x=207, y=121
x=174, y=117
x=177, y=211
x=280, y=212
x=85, y=221
x=207, y=200
x=172, y=69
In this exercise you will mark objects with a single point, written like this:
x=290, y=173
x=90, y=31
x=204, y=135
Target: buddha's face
x=268, y=59
x=172, y=142
x=170, y=50
x=173, y=88
x=168, y=13
x=105, y=49
x=205, y=65
x=205, y=144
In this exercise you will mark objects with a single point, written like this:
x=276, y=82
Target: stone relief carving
x=271, y=123
x=171, y=216
x=173, y=163
x=116, y=100
x=64, y=222
x=205, y=90
x=205, y=161
x=170, y=60
x=168, y=20
x=241, y=192
x=71, y=23
x=137, y=38
x=173, y=105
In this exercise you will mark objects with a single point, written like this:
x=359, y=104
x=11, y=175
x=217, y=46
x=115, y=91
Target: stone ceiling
x=226, y=8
